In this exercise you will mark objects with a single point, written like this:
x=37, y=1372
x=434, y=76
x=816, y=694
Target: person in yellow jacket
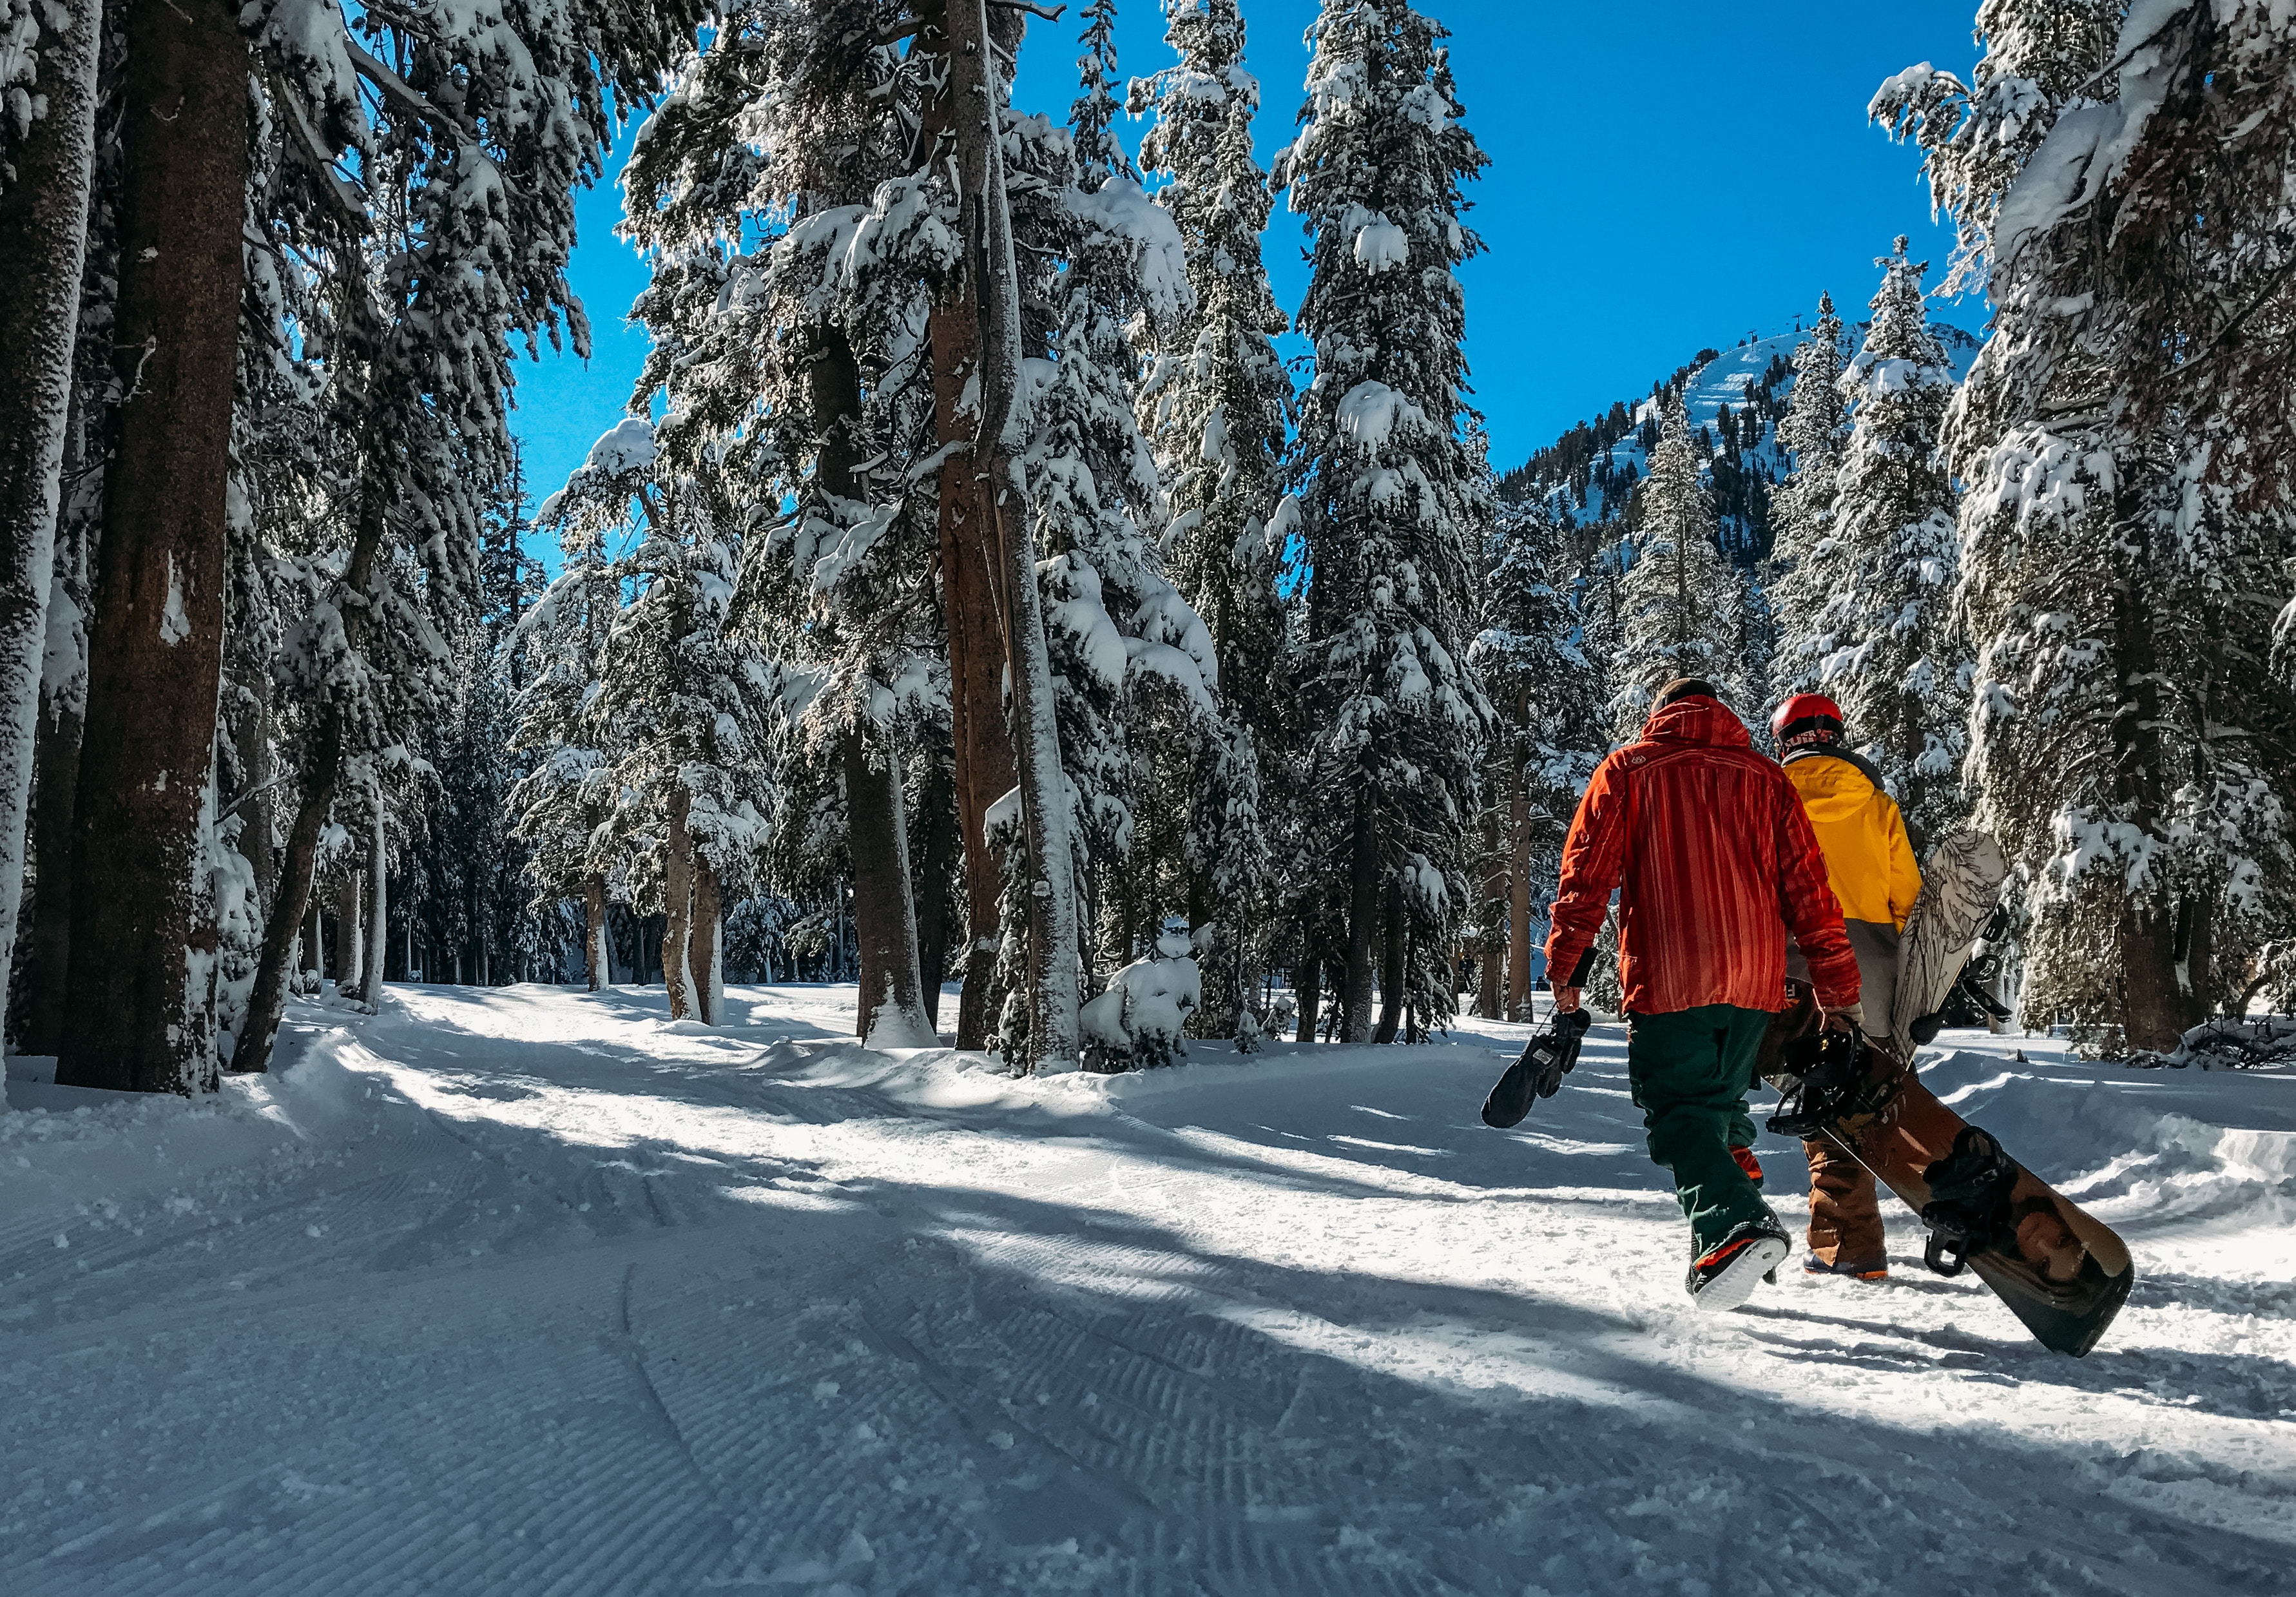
x=1869, y=863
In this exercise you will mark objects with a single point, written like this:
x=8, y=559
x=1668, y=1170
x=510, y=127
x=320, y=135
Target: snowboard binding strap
x=1836, y=1081
x=1969, y=1211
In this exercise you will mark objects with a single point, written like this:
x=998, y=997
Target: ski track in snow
x=525, y=1291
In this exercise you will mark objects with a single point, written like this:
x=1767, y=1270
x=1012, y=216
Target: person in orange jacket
x=1712, y=858
x=1869, y=863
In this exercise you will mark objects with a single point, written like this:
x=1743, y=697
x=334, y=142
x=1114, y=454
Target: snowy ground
x=527, y=1291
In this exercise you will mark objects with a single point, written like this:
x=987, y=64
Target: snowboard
x=1961, y=889
x=2059, y=1269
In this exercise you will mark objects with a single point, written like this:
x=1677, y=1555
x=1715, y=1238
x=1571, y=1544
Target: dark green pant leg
x=1690, y=1070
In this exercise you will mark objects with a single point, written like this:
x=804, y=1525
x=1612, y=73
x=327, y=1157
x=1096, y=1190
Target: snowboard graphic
x=2060, y=1271
x=1959, y=887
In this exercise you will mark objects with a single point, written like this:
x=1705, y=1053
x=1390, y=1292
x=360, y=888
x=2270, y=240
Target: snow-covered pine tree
x=1679, y=601
x=1548, y=695
x=1217, y=405
x=793, y=362
x=418, y=168
x=2117, y=175
x=688, y=700
x=565, y=794
x=1394, y=500
x=1092, y=118
x=1809, y=574
x=1897, y=667
x=1134, y=667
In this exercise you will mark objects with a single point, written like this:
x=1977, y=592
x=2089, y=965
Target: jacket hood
x=1831, y=788
x=1697, y=719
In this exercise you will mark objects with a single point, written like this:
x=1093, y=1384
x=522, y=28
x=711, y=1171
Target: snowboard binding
x=1969, y=1211
x=1546, y=1060
x=1833, y=1081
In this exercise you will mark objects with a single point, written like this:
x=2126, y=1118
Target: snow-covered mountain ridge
x=1735, y=397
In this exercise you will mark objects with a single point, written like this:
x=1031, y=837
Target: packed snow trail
x=528, y=1291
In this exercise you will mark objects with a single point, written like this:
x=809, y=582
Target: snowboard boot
x=1869, y=1270
x=1747, y=1162
x=1726, y=1276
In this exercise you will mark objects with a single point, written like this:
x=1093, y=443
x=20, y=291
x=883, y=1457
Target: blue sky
x=1664, y=175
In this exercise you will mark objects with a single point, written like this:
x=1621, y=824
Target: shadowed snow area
x=527, y=1291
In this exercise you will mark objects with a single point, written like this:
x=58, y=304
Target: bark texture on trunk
x=677, y=908
x=597, y=967
x=139, y=928
x=706, y=951
x=43, y=246
x=1053, y=1032
x=1391, y=966
x=1364, y=925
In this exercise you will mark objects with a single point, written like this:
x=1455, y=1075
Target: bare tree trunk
x=43, y=246
x=2153, y=1003
x=1519, y=951
x=377, y=931
x=2195, y=959
x=1308, y=989
x=350, y=945
x=972, y=580
x=677, y=902
x=1490, y=949
x=315, y=944
x=156, y=648
x=708, y=955
x=1053, y=1032
x=891, y=1005
x=1363, y=924
x=984, y=768
x=1391, y=967
x=50, y=929
x=937, y=842
x=597, y=965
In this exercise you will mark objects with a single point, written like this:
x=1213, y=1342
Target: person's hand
x=1840, y=1019
x=1566, y=999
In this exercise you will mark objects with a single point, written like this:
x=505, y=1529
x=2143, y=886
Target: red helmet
x=1807, y=718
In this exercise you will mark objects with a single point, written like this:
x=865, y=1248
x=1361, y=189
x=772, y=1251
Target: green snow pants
x=1690, y=1071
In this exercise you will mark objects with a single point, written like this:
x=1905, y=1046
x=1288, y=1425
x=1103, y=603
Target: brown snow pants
x=1845, y=1212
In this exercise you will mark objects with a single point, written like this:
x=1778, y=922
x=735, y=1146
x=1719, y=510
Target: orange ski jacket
x=1717, y=865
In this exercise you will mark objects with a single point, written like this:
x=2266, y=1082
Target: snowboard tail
x=2059, y=1269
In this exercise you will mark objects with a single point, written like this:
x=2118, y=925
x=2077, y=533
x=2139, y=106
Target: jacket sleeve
x=1592, y=858
x=1904, y=875
x=1812, y=912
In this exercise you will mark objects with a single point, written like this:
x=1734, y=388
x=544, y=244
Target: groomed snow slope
x=523, y=1292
